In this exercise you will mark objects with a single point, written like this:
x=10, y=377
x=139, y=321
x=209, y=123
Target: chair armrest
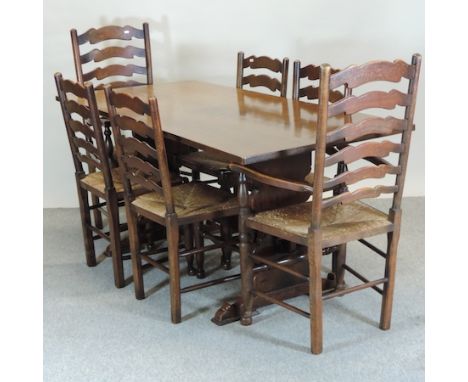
x=271, y=180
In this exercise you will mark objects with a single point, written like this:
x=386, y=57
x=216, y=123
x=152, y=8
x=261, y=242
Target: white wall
x=199, y=40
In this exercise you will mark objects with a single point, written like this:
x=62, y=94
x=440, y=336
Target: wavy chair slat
x=72, y=106
x=98, y=55
x=367, y=127
x=89, y=147
x=133, y=146
x=367, y=149
x=110, y=32
x=138, y=127
x=263, y=62
x=114, y=70
x=351, y=177
x=369, y=100
x=262, y=80
x=74, y=88
x=362, y=193
x=79, y=127
x=121, y=100
x=355, y=76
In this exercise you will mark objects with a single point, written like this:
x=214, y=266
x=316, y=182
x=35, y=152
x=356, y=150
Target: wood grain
x=368, y=149
x=354, y=75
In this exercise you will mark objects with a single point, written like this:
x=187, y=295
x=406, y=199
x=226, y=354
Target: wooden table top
x=240, y=126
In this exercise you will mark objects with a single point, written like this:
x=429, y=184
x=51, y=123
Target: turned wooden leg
x=226, y=233
x=114, y=231
x=199, y=257
x=246, y=262
x=390, y=270
x=174, y=271
x=132, y=221
x=188, y=244
x=85, y=225
x=315, y=291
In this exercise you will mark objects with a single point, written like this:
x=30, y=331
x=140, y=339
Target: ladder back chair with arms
x=93, y=171
x=171, y=206
x=309, y=92
x=329, y=221
x=112, y=54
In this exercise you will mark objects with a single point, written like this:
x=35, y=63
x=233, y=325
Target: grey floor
x=95, y=332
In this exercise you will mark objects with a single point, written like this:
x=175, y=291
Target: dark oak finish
x=208, y=118
x=93, y=171
x=312, y=74
x=263, y=80
x=334, y=220
x=185, y=206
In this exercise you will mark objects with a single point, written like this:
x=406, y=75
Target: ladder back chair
x=189, y=204
x=263, y=80
x=310, y=92
x=120, y=59
x=330, y=221
x=93, y=171
x=112, y=54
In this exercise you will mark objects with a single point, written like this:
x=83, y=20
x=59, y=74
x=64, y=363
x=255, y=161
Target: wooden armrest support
x=270, y=180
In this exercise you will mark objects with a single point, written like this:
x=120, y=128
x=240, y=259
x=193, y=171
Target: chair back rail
x=348, y=150
x=263, y=62
x=312, y=73
x=141, y=164
x=122, y=54
x=83, y=126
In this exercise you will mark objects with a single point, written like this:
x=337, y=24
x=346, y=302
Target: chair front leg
x=315, y=291
x=114, y=231
x=172, y=229
x=85, y=225
x=390, y=270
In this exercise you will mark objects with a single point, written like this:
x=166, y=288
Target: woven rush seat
x=349, y=221
x=202, y=161
x=190, y=199
x=95, y=180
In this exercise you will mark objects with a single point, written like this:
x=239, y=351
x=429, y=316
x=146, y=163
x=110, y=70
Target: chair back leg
x=174, y=272
x=188, y=244
x=114, y=231
x=226, y=234
x=135, y=251
x=200, y=257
